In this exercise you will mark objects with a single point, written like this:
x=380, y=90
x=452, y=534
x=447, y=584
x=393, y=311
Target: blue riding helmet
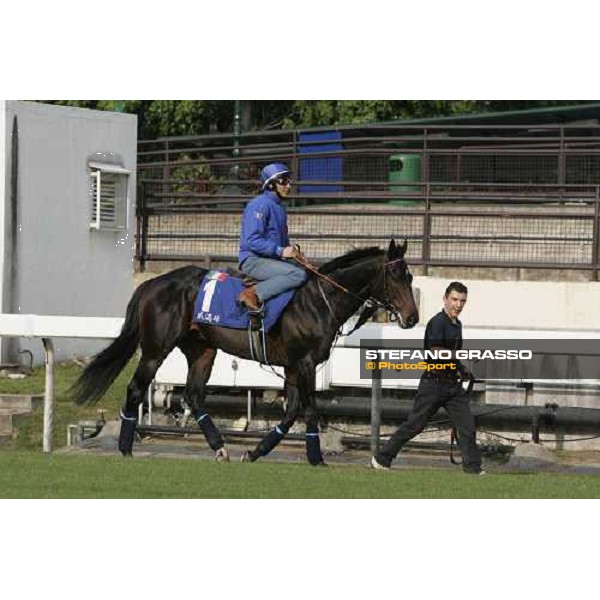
x=271, y=172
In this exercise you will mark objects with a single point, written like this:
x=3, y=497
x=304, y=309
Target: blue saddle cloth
x=216, y=303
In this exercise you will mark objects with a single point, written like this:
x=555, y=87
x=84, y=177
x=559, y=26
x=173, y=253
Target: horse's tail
x=98, y=376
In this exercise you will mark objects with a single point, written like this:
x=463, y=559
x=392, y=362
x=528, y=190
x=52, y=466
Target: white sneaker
x=377, y=465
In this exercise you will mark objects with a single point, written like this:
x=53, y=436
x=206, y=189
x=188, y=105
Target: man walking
x=440, y=388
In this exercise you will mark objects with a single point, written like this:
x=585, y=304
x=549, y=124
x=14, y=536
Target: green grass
x=28, y=427
x=27, y=473
x=35, y=475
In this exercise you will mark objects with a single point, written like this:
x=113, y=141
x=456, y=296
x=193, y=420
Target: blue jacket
x=264, y=227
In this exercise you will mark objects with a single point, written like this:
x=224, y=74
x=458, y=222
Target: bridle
x=387, y=303
x=370, y=304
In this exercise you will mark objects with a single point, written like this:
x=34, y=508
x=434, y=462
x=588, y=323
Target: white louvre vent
x=108, y=196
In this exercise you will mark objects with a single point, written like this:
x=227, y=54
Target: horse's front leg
x=313, y=440
x=311, y=416
x=276, y=434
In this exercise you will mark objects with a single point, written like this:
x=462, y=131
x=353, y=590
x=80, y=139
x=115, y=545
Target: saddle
x=248, y=297
x=217, y=301
x=246, y=279
x=256, y=327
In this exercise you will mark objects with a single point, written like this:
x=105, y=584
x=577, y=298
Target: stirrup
x=256, y=322
x=259, y=312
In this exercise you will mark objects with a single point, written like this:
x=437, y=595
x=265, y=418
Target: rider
x=264, y=242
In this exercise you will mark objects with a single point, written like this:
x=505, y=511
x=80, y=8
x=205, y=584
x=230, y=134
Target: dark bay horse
x=159, y=318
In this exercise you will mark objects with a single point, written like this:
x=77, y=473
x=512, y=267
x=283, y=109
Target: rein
x=302, y=261
x=371, y=303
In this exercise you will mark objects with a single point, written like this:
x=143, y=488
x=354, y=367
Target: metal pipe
x=94, y=426
x=596, y=234
x=149, y=400
x=10, y=302
x=227, y=433
x=350, y=441
x=236, y=139
x=535, y=429
x=375, y=410
x=358, y=442
x=501, y=417
x=48, y=395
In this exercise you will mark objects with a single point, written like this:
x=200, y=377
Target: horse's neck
x=360, y=280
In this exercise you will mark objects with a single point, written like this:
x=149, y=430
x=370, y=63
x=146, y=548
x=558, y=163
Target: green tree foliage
x=186, y=117
x=158, y=118
x=354, y=112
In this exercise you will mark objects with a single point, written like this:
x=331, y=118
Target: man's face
x=454, y=302
x=283, y=186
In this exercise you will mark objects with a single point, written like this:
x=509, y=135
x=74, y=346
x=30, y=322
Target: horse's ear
x=402, y=249
x=392, y=248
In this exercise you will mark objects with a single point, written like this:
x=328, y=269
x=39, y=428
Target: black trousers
x=434, y=393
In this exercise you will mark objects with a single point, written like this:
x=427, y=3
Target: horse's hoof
x=126, y=454
x=375, y=464
x=221, y=455
x=247, y=457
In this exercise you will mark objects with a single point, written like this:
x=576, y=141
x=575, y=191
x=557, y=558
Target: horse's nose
x=412, y=321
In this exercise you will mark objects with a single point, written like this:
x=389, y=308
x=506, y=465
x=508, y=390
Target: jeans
x=433, y=393
x=275, y=276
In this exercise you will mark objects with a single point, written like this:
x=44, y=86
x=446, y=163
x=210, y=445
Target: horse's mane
x=350, y=258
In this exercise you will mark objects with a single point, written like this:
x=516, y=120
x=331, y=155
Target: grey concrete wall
x=518, y=304
x=64, y=267
x=4, y=195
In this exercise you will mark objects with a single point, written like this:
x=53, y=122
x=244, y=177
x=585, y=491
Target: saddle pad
x=216, y=303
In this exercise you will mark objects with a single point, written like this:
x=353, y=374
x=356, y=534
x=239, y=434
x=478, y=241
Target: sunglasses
x=283, y=181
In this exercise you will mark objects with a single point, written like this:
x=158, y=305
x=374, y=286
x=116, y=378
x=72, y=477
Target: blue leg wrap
x=211, y=433
x=313, y=445
x=270, y=440
x=127, y=434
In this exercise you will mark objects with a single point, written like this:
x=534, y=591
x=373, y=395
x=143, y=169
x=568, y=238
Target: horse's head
x=397, y=286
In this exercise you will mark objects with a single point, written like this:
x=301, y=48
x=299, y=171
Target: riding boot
x=250, y=300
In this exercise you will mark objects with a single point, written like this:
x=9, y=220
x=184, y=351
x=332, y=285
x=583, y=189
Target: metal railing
x=553, y=228
x=476, y=196
x=462, y=153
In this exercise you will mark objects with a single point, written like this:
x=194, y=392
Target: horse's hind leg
x=200, y=363
x=136, y=390
x=275, y=436
x=164, y=314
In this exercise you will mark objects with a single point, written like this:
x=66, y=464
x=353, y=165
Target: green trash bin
x=404, y=168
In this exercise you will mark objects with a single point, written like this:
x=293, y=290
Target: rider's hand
x=289, y=252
